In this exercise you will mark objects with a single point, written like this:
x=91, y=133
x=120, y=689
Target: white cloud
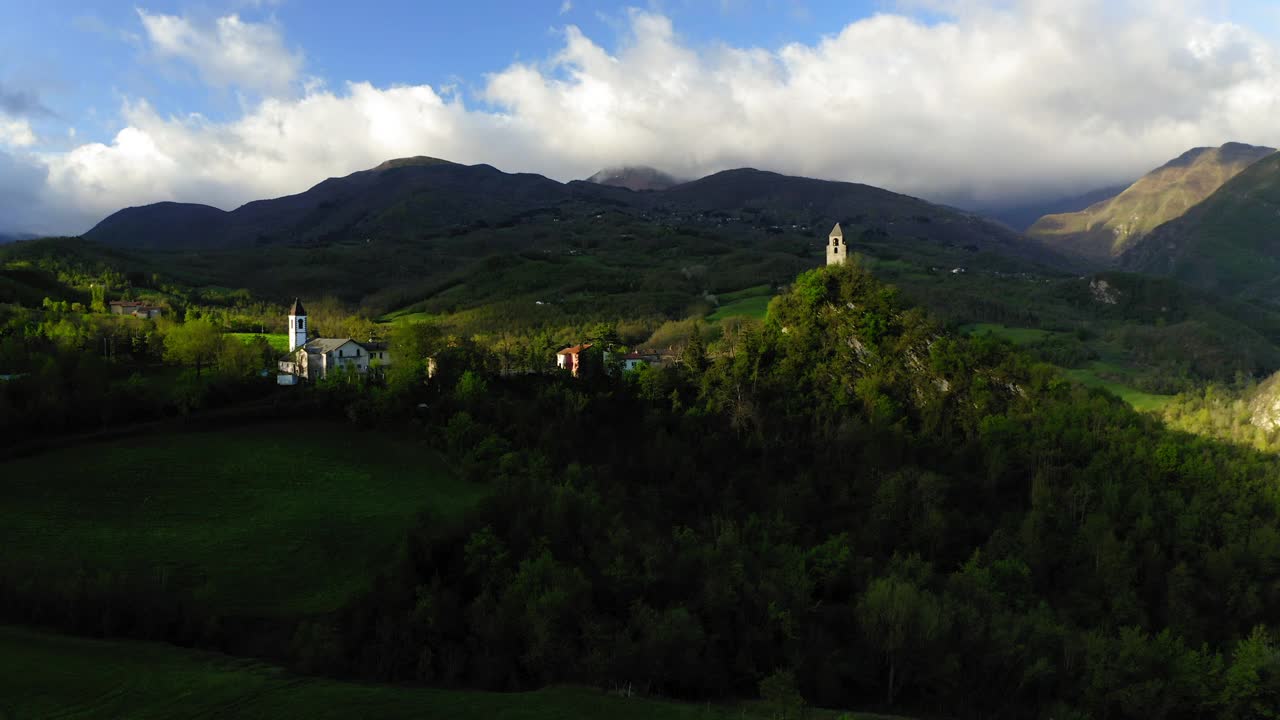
x=16, y=132
x=999, y=100
x=566, y=6
x=231, y=52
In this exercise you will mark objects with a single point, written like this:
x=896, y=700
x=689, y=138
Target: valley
x=958, y=429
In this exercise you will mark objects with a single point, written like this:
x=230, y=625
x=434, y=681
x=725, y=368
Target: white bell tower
x=297, y=326
x=837, y=249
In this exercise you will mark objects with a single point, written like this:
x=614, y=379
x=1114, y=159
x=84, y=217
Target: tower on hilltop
x=837, y=250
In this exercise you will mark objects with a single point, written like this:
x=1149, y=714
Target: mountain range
x=1107, y=229
x=419, y=198
x=1230, y=242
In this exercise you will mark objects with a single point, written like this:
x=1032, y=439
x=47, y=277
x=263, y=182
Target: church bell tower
x=837, y=249
x=297, y=326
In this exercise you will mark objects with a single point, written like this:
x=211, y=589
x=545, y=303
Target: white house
x=313, y=359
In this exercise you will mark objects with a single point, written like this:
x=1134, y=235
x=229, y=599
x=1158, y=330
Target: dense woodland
x=845, y=506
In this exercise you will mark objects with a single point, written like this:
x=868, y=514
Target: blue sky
x=80, y=59
x=110, y=104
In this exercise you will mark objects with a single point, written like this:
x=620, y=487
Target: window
x=836, y=250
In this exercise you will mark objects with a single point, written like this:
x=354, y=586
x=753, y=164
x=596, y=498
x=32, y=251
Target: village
x=312, y=359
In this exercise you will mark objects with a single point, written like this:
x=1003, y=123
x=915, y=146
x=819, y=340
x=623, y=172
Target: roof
x=297, y=308
x=324, y=345
x=128, y=303
x=574, y=350
x=836, y=231
x=375, y=345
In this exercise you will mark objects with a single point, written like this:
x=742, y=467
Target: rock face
x=1264, y=408
x=1107, y=229
x=1103, y=292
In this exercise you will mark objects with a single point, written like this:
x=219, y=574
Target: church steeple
x=297, y=326
x=837, y=249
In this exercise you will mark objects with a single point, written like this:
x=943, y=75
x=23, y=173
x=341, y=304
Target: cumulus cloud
x=997, y=100
x=16, y=132
x=230, y=52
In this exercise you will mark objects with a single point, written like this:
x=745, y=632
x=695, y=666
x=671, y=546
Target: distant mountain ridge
x=1106, y=230
x=1023, y=215
x=413, y=198
x=635, y=177
x=1230, y=242
x=8, y=237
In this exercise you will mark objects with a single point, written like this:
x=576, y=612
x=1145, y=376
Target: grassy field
x=44, y=675
x=278, y=341
x=751, y=302
x=755, y=307
x=265, y=520
x=1097, y=375
x=407, y=317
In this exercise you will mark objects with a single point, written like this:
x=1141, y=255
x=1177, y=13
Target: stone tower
x=837, y=250
x=297, y=326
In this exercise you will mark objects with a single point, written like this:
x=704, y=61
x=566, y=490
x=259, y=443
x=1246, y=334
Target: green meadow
x=1100, y=374
x=752, y=302
x=271, y=519
x=44, y=675
x=278, y=341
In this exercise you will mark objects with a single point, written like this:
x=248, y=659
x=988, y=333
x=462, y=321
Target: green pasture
x=1100, y=375
x=272, y=519
x=278, y=341
x=755, y=307
x=44, y=676
x=751, y=302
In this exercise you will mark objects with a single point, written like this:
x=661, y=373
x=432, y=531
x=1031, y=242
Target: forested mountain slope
x=1107, y=229
x=422, y=198
x=1229, y=243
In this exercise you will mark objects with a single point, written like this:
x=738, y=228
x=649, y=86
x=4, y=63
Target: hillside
x=424, y=235
x=1107, y=229
x=634, y=177
x=423, y=198
x=1230, y=242
x=414, y=194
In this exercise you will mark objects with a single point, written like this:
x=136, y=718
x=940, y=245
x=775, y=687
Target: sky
x=108, y=104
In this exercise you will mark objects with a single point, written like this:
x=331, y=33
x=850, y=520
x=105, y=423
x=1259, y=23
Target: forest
x=847, y=506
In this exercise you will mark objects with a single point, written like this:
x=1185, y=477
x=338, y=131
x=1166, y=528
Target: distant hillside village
x=313, y=359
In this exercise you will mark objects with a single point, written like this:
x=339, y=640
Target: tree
x=196, y=342
x=1252, y=684
x=99, y=294
x=897, y=616
x=779, y=693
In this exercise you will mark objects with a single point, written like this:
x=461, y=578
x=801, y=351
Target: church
x=312, y=360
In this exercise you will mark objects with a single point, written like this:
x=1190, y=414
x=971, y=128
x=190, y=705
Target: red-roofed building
x=570, y=358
